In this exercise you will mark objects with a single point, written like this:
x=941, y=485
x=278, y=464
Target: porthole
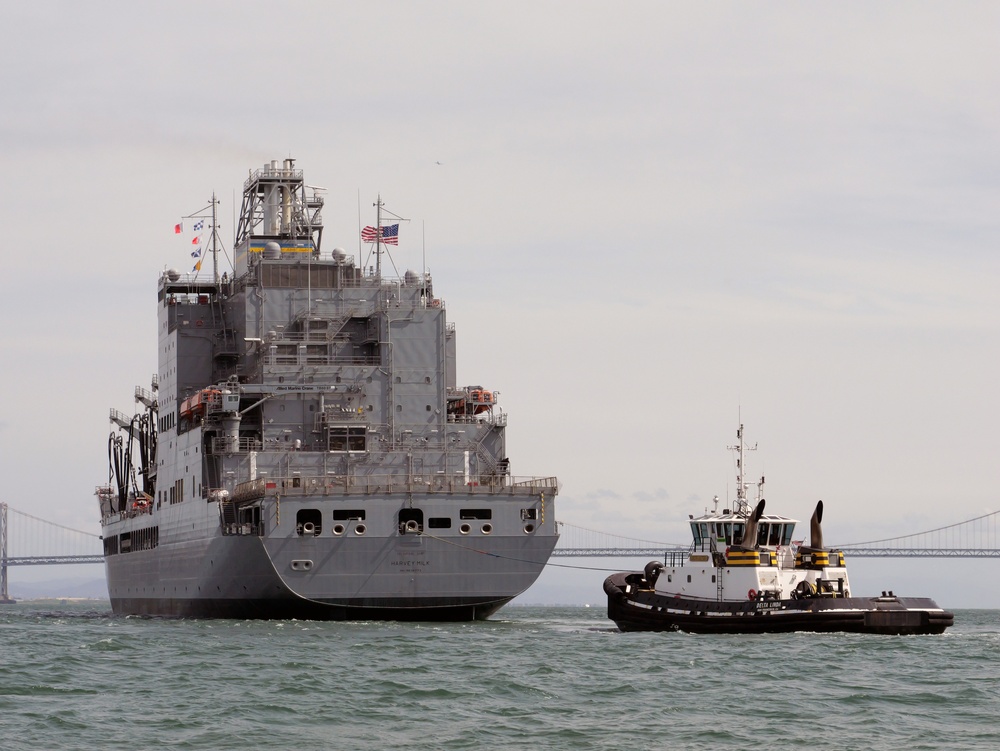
x=338, y=529
x=360, y=529
x=465, y=529
x=529, y=528
x=487, y=529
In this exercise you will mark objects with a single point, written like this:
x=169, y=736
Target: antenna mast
x=741, y=484
x=378, y=238
x=215, y=239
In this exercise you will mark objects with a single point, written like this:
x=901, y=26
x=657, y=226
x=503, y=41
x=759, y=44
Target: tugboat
x=745, y=574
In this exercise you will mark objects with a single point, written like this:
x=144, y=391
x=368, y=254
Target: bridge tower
x=4, y=595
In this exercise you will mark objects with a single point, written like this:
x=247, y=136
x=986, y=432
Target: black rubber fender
x=652, y=571
x=611, y=589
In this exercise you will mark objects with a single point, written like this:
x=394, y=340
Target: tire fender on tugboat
x=652, y=572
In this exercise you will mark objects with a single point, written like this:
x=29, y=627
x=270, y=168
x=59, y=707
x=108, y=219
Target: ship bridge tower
x=281, y=216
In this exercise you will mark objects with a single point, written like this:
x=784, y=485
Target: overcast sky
x=646, y=220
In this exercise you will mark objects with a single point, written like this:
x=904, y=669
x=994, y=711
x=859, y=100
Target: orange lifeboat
x=481, y=399
x=197, y=404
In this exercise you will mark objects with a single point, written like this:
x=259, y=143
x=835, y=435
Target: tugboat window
x=762, y=534
x=774, y=539
x=738, y=533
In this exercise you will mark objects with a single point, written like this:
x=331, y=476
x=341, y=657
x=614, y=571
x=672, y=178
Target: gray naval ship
x=305, y=450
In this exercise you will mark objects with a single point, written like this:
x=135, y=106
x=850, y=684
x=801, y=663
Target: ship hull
x=395, y=577
x=634, y=609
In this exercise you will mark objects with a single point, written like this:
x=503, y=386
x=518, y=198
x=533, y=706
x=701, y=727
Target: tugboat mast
x=742, y=505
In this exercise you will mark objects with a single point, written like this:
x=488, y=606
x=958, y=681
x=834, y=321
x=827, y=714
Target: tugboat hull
x=636, y=609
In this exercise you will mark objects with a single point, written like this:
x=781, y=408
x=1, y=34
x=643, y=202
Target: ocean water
x=74, y=676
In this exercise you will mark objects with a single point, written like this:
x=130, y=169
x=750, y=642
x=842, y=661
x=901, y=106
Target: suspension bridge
x=29, y=540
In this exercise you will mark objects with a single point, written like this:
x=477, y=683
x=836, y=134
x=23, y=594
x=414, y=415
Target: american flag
x=389, y=234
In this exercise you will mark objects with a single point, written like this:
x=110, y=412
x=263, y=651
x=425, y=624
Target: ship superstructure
x=306, y=450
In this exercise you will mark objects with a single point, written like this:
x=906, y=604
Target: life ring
x=752, y=594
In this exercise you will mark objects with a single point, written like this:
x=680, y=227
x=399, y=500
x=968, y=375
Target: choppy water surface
x=73, y=676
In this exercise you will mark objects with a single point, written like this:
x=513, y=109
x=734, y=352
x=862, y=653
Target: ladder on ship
x=227, y=510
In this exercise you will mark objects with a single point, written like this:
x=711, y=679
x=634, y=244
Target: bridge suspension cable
x=29, y=540
x=986, y=532
x=973, y=538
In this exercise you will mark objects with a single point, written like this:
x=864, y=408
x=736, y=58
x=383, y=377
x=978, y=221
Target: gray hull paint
x=234, y=577
x=445, y=576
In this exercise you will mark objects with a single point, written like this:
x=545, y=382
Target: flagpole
x=378, y=239
x=360, y=240
x=215, y=244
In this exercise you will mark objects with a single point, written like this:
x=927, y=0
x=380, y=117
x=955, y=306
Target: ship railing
x=134, y=510
x=248, y=491
x=303, y=485
x=291, y=363
x=223, y=445
x=313, y=359
x=675, y=558
x=483, y=418
x=272, y=173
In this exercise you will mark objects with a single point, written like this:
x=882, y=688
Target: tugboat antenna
x=742, y=505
